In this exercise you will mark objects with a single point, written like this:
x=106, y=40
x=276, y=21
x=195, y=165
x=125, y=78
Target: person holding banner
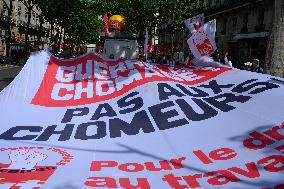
x=255, y=66
x=170, y=61
x=188, y=60
x=226, y=60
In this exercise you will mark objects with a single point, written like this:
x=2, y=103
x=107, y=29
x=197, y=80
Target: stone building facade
x=19, y=22
x=243, y=27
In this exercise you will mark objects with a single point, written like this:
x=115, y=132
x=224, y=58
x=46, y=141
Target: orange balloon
x=117, y=23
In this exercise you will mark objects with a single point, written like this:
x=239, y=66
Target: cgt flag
x=202, y=43
x=195, y=23
x=92, y=123
x=105, y=20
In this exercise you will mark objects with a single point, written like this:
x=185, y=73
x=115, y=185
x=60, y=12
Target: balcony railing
x=227, y=4
x=3, y=17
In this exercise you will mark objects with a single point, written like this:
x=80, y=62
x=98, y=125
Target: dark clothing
x=258, y=70
x=171, y=62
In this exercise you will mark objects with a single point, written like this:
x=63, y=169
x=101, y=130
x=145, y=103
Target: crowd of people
x=223, y=58
x=189, y=60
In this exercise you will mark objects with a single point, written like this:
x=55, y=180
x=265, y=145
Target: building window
x=235, y=22
x=26, y=13
x=260, y=26
x=4, y=10
x=245, y=23
x=34, y=16
x=224, y=27
x=210, y=3
x=218, y=3
x=19, y=11
x=261, y=17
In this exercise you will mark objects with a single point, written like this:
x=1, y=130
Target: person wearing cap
x=255, y=66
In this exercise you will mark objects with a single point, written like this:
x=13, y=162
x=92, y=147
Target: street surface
x=7, y=74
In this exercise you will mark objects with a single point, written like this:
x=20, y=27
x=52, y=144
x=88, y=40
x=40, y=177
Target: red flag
x=105, y=19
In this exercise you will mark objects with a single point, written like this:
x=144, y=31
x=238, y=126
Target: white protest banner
x=195, y=23
x=92, y=123
x=202, y=43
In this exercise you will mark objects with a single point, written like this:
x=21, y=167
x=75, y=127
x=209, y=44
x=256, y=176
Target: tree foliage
x=77, y=21
x=29, y=5
x=74, y=19
x=79, y=18
x=141, y=14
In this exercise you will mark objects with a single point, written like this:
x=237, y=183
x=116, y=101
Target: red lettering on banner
x=98, y=165
x=173, y=164
x=173, y=181
x=191, y=180
x=225, y=177
x=108, y=182
x=203, y=157
x=101, y=182
x=142, y=183
x=274, y=133
x=219, y=154
x=258, y=141
x=221, y=177
x=273, y=163
x=164, y=165
x=177, y=163
x=131, y=167
x=223, y=154
x=251, y=170
x=90, y=79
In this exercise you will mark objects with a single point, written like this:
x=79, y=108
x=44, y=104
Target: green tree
x=78, y=22
x=75, y=21
x=275, y=50
x=142, y=14
x=82, y=25
x=29, y=4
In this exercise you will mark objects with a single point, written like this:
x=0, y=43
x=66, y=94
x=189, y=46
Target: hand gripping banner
x=93, y=123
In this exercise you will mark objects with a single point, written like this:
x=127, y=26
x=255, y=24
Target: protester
x=164, y=60
x=159, y=59
x=255, y=66
x=170, y=61
x=224, y=60
x=188, y=60
x=247, y=66
x=216, y=56
x=111, y=56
